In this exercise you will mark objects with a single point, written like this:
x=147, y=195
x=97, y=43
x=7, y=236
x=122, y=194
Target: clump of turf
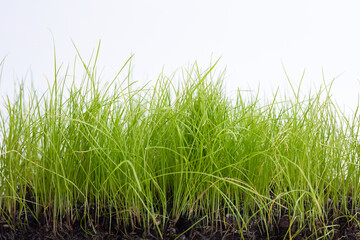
x=148, y=156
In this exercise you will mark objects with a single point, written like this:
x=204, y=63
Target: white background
x=253, y=39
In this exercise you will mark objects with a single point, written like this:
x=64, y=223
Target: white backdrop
x=253, y=39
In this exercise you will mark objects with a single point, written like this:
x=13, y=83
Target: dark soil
x=183, y=229
x=45, y=230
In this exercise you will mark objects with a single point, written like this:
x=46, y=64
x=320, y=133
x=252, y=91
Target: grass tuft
x=148, y=156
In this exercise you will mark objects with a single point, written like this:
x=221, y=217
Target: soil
x=45, y=230
x=182, y=229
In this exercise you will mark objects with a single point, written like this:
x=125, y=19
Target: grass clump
x=146, y=157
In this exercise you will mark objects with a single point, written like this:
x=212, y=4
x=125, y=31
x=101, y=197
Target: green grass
x=148, y=155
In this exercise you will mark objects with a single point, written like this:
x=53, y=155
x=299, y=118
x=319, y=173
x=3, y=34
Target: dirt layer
x=96, y=224
x=103, y=229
